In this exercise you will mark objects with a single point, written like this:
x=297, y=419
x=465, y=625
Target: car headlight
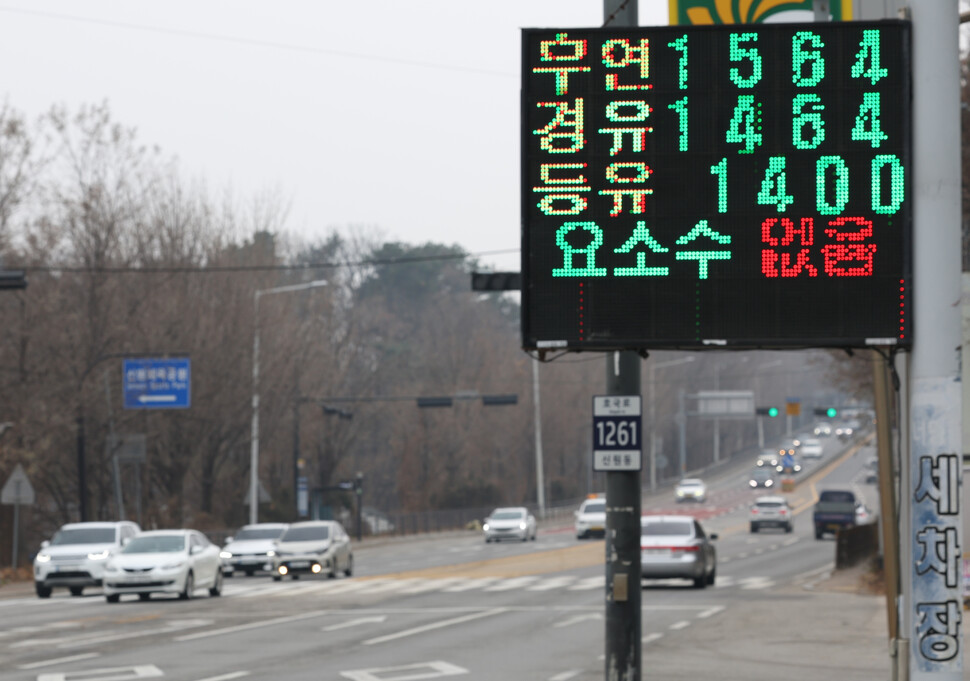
x=521, y=526
x=753, y=483
x=99, y=555
x=225, y=554
x=43, y=557
x=271, y=553
x=769, y=483
x=680, y=493
x=485, y=527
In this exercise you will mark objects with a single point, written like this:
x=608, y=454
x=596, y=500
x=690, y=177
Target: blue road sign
x=158, y=383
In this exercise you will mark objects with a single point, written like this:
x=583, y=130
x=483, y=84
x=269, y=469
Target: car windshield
x=769, y=505
x=666, y=528
x=259, y=534
x=840, y=497
x=507, y=515
x=761, y=474
x=158, y=543
x=597, y=507
x=691, y=483
x=306, y=533
x=84, y=535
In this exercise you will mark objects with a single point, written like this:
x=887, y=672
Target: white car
x=811, y=449
x=76, y=555
x=313, y=547
x=591, y=518
x=252, y=548
x=771, y=512
x=514, y=522
x=164, y=561
x=691, y=489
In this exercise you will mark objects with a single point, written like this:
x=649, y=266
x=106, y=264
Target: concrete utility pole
x=623, y=593
x=931, y=566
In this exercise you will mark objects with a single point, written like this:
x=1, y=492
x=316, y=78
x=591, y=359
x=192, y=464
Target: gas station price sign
x=695, y=186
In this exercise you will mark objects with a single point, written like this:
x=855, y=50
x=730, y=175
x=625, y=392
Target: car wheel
x=189, y=587
x=788, y=528
x=349, y=568
x=533, y=536
x=216, y=588
x=43, y=591
x=333, y=569
x=488, y=540
x=144, y=597
x=818, y=534
x=77, y=590
x=250, y=573
x=525, y=537
x=700, y=582
x=711, y=577
x=277, y=578
x=295, y=576
x=754, y=528
x=112, y=598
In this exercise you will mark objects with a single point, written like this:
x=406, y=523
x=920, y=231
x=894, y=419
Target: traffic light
x=766, y=411
x=496, y=281
x=830, y=412
x=12, y=279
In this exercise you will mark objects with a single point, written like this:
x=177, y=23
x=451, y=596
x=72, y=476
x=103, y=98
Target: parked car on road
x=691, y=489
x=771, y=512
x=313, y=547
x=514, y=522
x=76, y=555
x=164, y=561
x=677, y=546
x=252, y=548
x=591, y=518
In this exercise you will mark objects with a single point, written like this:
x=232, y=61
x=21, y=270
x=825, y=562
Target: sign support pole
x=932, y=500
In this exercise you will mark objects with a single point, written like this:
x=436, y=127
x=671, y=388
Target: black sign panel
x=739, y=186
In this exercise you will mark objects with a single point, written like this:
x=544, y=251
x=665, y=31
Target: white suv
x=591, y=518
x=76, y=554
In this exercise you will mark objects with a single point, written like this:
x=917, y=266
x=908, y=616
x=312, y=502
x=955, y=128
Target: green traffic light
x=773, y=411
x=831, y=412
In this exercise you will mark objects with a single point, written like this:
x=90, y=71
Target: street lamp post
x=653, y=413
x=254, y=444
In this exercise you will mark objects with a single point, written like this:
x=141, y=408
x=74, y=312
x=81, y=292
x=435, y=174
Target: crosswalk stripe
x=552, y=583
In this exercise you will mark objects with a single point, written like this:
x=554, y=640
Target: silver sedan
x=510, y=523
x=677, y=546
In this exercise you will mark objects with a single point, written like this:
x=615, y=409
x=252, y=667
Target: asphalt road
x=440, y=607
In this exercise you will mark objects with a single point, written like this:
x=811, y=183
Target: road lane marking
x=565, y=676
x=58, y=660
x=575, y=619
x=252, y=625
x=434, y=625
x=226, y=677
x=650, y=638
x=710, y=612
x=353, y=623
x=589, y=583
x=469, y=584
x=111, y=674
x=552, y=583
x=677, y=626
x=423, y=670
x=513, y=583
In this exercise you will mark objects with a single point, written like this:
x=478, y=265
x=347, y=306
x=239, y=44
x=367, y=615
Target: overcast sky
x=398, y=115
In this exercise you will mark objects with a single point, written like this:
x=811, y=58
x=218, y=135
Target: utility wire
x=252, y=42
x=216, y=269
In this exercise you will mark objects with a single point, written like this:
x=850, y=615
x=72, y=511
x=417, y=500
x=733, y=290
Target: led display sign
x=739, y=186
